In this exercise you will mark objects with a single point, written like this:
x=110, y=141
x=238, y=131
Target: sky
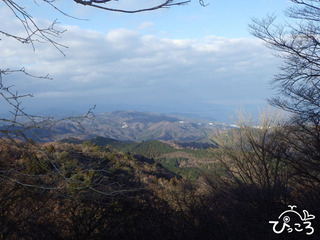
x=193, y=60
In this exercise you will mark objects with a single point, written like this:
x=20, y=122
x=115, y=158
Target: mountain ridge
x=129, y=126
x=144, y=126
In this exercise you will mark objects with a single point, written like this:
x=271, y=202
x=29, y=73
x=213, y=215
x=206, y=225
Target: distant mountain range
x=133, y=126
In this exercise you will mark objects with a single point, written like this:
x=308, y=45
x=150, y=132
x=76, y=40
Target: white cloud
x=124, y=66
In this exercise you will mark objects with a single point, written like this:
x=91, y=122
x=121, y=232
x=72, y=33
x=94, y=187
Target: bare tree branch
x=165, y=4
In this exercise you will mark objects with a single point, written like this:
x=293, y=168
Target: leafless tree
x=297, y=43
x=251, y=158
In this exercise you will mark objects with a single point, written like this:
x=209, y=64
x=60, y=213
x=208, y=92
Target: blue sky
x=187, y=59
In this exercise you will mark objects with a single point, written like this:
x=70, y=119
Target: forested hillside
x=180, y=159
x=86, y=191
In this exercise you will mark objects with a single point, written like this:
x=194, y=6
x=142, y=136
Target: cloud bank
x=126, y=68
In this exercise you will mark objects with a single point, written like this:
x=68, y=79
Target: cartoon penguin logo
x=292, y=220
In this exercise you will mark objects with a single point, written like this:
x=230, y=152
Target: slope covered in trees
x=185, y=161
x=85, y=191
